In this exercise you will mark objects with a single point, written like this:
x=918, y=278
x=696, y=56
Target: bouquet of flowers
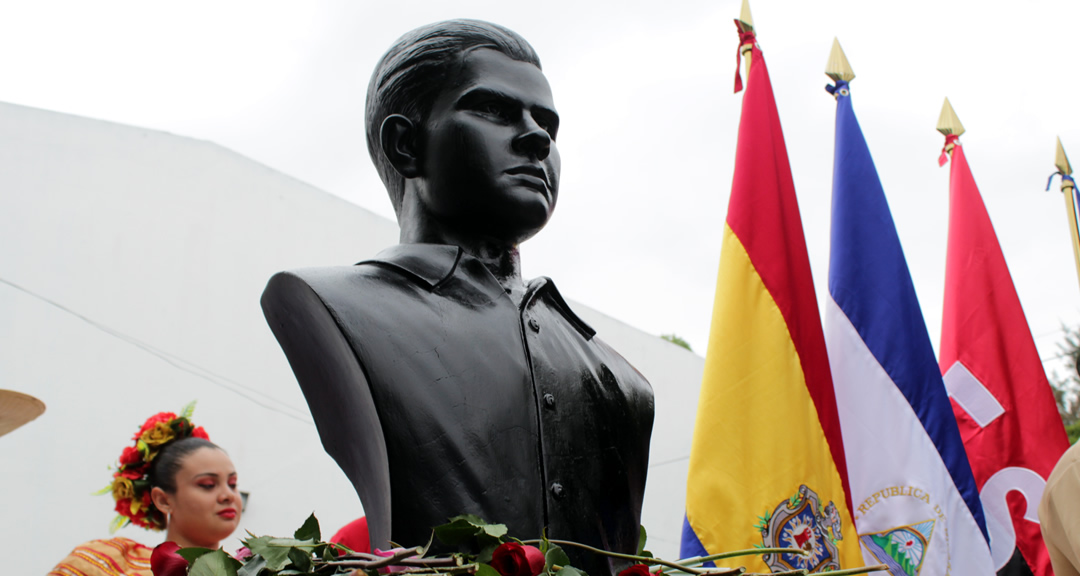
x=497, y=554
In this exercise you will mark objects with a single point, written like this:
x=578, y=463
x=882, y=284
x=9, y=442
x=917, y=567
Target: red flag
x=1003, y=403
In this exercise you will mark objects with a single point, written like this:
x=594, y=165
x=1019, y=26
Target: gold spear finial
x=838, y=67
x=948, y=123
x=745, y=17
x=1061, y=160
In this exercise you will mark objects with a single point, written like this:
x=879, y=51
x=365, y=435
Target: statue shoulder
x=330, y=284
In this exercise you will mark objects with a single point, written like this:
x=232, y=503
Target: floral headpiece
x=130, y=485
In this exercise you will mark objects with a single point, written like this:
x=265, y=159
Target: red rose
x=130, y=456
x=123, y=506
x=132, y=474
x=150, y=422
x=166, y=562
x=200, y=433
x=637, y=570
x=513, y=559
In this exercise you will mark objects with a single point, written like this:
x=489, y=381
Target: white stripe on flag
x=900, y=487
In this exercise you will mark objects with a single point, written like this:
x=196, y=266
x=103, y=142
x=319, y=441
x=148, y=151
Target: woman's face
x=206, y=506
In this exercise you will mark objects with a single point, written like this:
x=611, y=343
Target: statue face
x=488, y=160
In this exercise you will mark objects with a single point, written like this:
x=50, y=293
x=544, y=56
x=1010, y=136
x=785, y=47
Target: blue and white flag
x=916, y=506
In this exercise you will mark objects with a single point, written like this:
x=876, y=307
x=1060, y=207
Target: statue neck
x=503, y=260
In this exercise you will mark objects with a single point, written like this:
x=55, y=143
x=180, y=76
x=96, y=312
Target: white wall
x=131, y=264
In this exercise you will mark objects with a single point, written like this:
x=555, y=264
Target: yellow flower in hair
x=158, y=435
x=122, y=488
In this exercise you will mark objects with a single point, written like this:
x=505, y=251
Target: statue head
x=461, y=126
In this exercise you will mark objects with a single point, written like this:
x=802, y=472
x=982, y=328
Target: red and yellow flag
x=767, y=463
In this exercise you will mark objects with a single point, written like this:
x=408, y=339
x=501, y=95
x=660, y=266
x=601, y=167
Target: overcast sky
x=648, y=119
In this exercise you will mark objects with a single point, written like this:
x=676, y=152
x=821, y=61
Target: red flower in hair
x=130, y=456
x=151, y=421
x=123, y=506
x=200, y=433
x=132, y=474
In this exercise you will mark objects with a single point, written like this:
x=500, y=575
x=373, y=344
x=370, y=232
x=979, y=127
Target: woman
x=174, y=479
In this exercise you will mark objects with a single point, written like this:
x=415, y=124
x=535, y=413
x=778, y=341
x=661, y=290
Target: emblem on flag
x=902, y=549
x=799, y=522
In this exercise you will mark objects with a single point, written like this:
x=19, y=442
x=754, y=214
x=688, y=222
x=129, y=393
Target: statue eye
x=494, y=109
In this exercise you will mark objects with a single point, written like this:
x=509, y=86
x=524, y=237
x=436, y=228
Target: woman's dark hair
x=168, y=462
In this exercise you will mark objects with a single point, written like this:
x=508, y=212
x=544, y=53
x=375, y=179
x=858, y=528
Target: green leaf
x=555, y=556
x=191, y=554
x=423, y=551
x=460, y=529
x=276, y=557
x=495, y=530
x=188, y=410
x=310, y=529
x=215, y=563
x=301, y=559
x=253, y=566
x=486, y=570
x=117, y=523
x=642, y=538
x=486, y=552
x=570, y=571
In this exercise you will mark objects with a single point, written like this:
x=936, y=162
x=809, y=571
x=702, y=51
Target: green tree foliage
x=1067, y=389
x=677, y=341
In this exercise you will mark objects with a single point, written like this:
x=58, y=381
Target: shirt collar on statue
x=432, y=264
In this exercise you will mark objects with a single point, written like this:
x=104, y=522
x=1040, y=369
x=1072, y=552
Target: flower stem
x=641, y=559
x=737, y=553
x=863, y=570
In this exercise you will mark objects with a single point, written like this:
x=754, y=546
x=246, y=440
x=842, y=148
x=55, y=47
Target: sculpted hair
x=168, y=462
x=413, y=72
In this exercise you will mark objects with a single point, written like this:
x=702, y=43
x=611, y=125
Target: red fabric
x=777, y=246
x=745, y=37
x=984, y=328
x=944, y=158
x=354, y=535
x=166, y=562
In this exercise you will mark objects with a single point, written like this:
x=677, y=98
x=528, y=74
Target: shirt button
x=557, y=489
x=549, y=400
x=534, y=325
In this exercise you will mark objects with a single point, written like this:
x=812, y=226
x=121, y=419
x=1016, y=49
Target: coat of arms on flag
x=902, y=549
x=799, y=522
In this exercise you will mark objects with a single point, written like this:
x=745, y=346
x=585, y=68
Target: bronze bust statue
x=440, y=381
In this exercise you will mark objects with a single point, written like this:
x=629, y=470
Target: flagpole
x=746, y=25
x=1068, y=189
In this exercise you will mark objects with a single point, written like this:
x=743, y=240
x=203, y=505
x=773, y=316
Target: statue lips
x=533, y=176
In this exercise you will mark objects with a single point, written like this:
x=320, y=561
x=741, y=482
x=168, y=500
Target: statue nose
x=535, y=142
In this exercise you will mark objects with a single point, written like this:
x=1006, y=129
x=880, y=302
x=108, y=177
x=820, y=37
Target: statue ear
x=398, y=136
